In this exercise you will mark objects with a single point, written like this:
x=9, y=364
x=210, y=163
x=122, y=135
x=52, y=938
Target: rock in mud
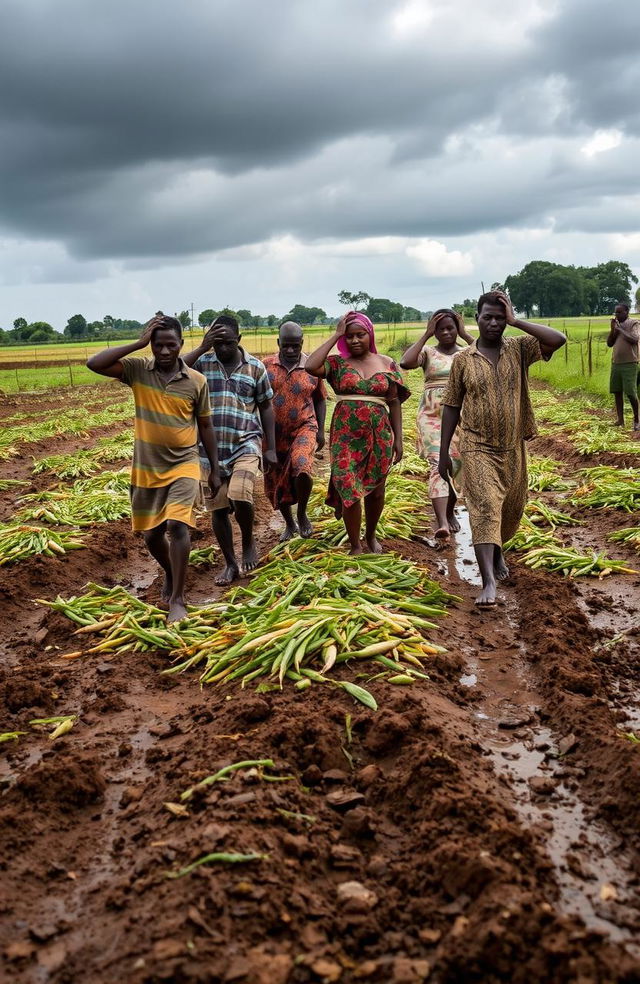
x=344, y=800
x=567, y=744
x=543, y=785
x=356, y=897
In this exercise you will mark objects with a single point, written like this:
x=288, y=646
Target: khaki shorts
x=239, y=487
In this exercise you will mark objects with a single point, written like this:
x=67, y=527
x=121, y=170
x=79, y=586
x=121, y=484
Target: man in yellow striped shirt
x=172, y=406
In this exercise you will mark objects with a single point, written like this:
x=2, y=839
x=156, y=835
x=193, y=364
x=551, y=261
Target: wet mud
x=480, y=826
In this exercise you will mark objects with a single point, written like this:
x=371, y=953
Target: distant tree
x=107, y=321
x=20, y=324
x=230, y=313
x=76, y=326
x=411, y=314
x=638, y=299
x=184, y=318
x=466, y=308
x=614, y=279
x=272, y=320
x=356, y=301
x=381, y=309
x=244, y=316
x=304, y=315
x=206, y=317
x=39, y=331
x=42, y=335
x=4, y=336
x=95, y=327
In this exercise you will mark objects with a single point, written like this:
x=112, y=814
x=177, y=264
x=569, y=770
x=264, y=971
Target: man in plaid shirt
x=241, y=409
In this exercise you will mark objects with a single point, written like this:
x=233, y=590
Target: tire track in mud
x=464, y=884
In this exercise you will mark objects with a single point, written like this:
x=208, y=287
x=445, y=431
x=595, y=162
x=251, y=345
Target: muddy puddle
x=594, y=874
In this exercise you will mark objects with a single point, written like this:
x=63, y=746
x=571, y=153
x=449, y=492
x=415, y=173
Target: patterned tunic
x=234, y=404
x=296, y=427
x=436, y=366
x=165, y=474
x=361, y=438
x=495, y=421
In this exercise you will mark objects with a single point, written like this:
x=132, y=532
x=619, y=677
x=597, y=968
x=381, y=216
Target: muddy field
x=480, y=826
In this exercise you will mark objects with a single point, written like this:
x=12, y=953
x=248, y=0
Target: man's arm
x=190, y=358
x=550, y=339
x=107, y=362
x=613, y=333
x=631, y=334
x=268, y=420
x=209, y=442
x=320, y=407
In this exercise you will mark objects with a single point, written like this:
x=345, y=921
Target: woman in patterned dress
x=435, y=361
x=366, y=429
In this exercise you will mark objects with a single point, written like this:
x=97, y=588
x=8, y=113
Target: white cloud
x=414, y=16
x=434, y=259
x=601, y=141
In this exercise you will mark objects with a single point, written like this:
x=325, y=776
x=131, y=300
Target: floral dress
x=436, y=366
x=361, y=438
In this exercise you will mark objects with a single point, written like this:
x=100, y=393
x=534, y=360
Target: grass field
x=583, y=365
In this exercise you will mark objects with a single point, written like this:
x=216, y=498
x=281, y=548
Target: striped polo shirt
x=166, y=432
x=235, y=398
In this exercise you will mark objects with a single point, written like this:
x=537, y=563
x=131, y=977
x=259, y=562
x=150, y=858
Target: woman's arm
x=449, y=422
x=395, y=414
x=462, y=331
x=411, y=358
x=315, y=362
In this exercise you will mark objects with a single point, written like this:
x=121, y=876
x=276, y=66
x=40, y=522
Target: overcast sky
x=253, y=154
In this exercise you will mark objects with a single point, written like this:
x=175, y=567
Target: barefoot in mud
x=289, y=533
x=442, y=533
x=453, y=522
x=227, y=576
x=374, y=546
x=354, y=551
x=487, y=597
x=306, y=530
x=249, y=558
x=167, y=588
x=500, y=568
x=177, y=610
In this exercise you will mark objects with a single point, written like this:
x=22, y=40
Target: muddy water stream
x=593, y=875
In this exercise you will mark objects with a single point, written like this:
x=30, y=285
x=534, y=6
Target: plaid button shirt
x=235, y=399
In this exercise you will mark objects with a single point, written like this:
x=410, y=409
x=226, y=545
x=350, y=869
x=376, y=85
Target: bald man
x=299, y=404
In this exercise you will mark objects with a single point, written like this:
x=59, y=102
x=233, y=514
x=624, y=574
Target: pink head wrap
x=360, y=319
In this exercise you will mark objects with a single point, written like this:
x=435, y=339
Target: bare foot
x=355, y=551
x=500, y=568
x=249, y=558
x=167, y=589
x=288, y=533
x=177, y=611
x=306, y=530
x=442, y=533
x=227, y=576
x=374, y=546
x=454, y=525
x=618, y=423
x=487, y=597
x=636, y=425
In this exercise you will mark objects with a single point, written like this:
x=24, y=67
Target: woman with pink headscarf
x=366, y=429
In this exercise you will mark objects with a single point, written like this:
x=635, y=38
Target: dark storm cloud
x=141, y=130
